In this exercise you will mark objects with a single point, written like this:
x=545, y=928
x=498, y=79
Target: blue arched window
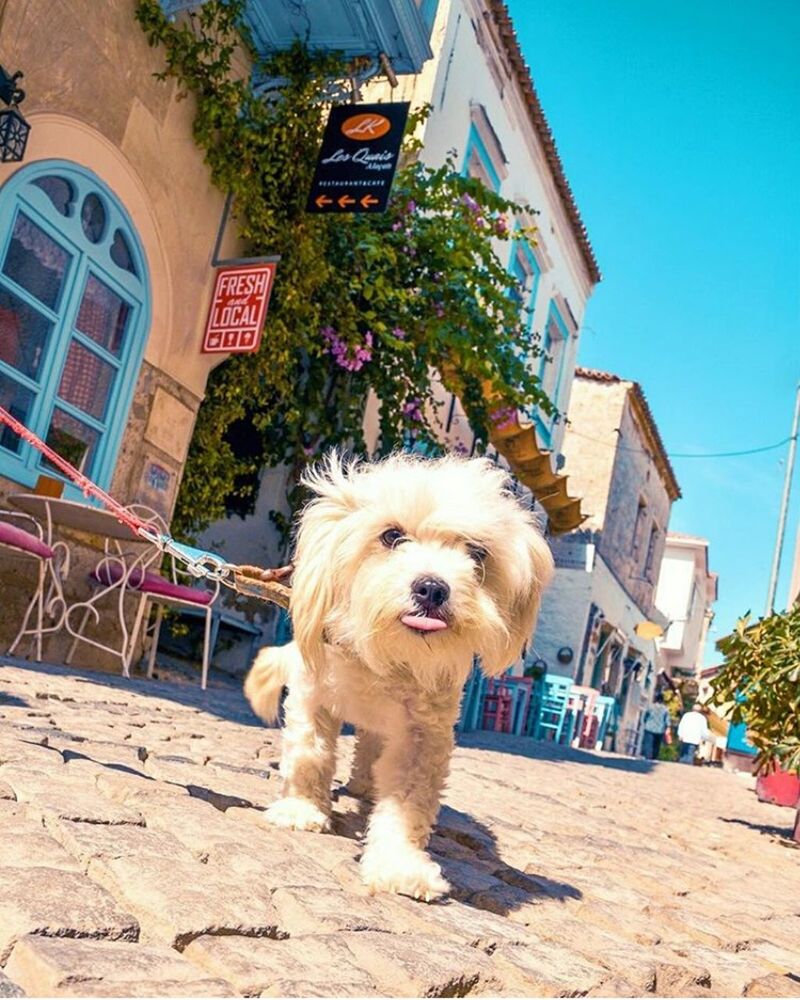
x=74, y=314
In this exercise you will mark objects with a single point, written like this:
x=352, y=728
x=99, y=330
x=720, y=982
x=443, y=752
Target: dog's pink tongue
x=423, y=624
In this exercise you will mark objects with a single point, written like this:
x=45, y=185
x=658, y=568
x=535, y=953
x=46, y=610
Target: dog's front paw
x=409, y=873
x=297, y=814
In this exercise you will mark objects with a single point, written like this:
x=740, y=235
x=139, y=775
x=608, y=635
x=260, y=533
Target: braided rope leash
x=252, y=581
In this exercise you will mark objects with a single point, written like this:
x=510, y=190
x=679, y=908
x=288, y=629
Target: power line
x=687, y=454
x=731, y=454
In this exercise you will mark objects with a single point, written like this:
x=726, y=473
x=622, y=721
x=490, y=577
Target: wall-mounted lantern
x=14, y=129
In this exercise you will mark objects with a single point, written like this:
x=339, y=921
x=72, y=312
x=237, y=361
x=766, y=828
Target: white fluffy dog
x=404, y=570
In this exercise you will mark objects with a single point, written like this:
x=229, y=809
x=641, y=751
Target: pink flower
x=501, y=225
x=399, y=332
x=411, y=206
x=412, y=410
x=470, y=202
x=397, y=225
x=340, y=351
x=439, y=309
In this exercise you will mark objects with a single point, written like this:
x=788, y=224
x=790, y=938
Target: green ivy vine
x=360, y=302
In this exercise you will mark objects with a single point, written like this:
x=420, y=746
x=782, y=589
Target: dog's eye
x=477, y=553
x=392, y=537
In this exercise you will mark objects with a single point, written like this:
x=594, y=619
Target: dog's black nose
x=430, y=592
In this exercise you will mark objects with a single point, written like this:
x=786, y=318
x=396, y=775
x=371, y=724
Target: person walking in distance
x=692, y=730
x=656, y=727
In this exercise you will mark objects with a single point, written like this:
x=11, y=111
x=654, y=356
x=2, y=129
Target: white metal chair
x=53, y=567
x=136, y=575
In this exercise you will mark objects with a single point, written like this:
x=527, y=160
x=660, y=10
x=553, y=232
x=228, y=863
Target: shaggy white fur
x=405, y=570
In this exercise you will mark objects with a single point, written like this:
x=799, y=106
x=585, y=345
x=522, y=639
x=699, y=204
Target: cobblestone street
x=134, y=861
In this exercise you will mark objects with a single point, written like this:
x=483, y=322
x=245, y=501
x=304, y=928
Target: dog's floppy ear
x=320, y=534
x=532, y=571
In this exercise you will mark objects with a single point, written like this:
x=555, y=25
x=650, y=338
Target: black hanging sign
x=358, y=158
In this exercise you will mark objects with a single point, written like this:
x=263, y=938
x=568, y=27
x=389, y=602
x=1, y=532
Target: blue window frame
x=525, y=268
x=477, y=161
x=74, y=314
x=551, y=369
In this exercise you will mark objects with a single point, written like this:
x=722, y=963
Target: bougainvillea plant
x=365, y=302
x=759, y=684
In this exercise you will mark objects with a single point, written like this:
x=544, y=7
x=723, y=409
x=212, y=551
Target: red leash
x=88, y=488
x=250, y=580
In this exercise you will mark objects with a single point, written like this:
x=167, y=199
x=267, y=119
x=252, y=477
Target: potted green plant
x=759, y=684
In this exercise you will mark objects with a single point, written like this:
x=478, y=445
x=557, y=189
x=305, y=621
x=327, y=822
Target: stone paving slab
x=58, y=903
x=134, y=861
x=46, y=966
x=255, y=966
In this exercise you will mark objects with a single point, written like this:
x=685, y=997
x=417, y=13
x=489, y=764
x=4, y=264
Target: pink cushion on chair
x=161, y=587
x=112, y=572
x=18, y=538
x=151, y=583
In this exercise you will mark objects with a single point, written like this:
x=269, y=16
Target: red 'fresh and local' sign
x=238, y=308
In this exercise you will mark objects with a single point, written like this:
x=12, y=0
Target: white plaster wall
x=673, y=593
x=469, y=67
x=252, y=540
x=562, y=619
x=683, y=571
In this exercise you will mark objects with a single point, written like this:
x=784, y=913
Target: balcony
x=400, y=29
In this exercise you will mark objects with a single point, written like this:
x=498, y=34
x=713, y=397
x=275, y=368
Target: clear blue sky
x=679, y=128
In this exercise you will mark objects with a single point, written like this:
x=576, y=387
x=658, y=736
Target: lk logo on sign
x=358, y=158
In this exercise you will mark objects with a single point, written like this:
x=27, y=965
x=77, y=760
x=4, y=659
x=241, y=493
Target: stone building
x=599, y=618
x=108, y=229
x=106, y=232
x=686, y=590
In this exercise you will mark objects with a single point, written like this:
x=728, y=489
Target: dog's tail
x=264, y=683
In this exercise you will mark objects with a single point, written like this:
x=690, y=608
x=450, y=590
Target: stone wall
x=634, y=481
x=92, y=99
x=589, y=445
x=562, y=620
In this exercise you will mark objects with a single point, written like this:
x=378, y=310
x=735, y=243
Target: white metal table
x=73, y=514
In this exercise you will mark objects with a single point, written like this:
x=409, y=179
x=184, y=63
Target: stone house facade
x=107, y=228
x=596, y=622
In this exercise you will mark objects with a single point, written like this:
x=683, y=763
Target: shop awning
x=532, y=466
x=516, y=440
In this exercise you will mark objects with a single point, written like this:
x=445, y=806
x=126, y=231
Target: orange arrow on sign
x=322, y=201
x=346, y=200
x=368, y=200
